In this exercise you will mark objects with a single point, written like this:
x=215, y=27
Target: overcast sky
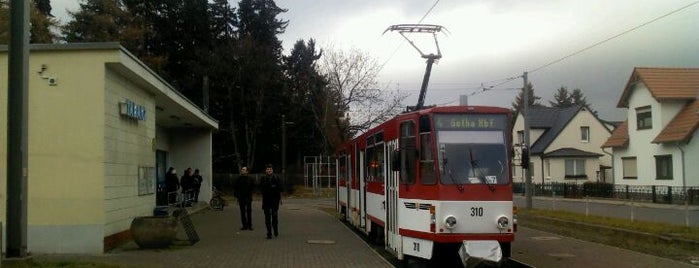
x=491, y=40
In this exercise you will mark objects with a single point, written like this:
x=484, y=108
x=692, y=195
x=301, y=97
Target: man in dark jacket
x=242, y=190
x=172, y=184
x=270, y=185
x=187, y=184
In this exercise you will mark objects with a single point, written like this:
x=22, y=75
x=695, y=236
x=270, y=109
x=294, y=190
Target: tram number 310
x=476, y=211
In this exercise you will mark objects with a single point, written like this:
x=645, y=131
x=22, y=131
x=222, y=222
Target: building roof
x=571, y=152
x=620, y=136
x=664, y=84
x=173, y=109
x=682, y=126
x=554, y=120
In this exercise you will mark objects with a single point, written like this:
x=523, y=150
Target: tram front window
x=472, y=157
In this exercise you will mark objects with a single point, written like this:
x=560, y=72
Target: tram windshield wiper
x=446, y=169
x=474, y=166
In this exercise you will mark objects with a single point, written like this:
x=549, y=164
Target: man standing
x=197, y=185
x=271, y=198
x=243, y=188
x=187, y=184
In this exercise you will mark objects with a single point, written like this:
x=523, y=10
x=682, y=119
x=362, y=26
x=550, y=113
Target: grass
x=665, y=240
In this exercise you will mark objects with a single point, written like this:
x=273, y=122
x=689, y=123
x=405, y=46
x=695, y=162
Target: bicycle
x=217, y=202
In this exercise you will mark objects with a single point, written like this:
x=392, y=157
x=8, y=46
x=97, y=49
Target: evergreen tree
x=308, y=95
x=105, y=21
x=533, y=99
x=4, y=22
x=578, y=98
x=40, y=23
x=562, y=98
x=259, y=101
x=224, y=73
x=44, y=7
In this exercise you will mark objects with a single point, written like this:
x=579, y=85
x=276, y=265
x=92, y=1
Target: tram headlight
x=503, y=222
x=450, y=222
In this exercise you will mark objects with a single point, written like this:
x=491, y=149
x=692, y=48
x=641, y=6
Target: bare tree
x=355, y=91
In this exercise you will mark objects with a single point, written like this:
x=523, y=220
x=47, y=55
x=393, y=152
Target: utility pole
x=528, y=191
x=284, y=123
x=284, y=149
x=17, y=130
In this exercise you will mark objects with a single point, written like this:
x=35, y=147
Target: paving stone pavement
x=308, y=237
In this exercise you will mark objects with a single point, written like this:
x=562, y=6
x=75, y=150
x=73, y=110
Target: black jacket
x=243, y=188
x=271, y=189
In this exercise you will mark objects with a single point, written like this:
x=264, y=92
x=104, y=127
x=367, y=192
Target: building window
x=575, y=169
x=644, y=118
x=146, y=180
x=663, y=167
x=520, y=137
x=585, y=134
x=628, y=165
x=548, y=168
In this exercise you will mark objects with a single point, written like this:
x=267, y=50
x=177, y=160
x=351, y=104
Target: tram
x=425, y=181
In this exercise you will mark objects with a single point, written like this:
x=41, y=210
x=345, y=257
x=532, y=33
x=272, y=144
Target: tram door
x=392, y=238
x=349, y=183
x=362, y=190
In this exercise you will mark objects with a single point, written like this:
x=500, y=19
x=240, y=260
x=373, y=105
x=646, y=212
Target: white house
x=565, y=145
x=658, y=145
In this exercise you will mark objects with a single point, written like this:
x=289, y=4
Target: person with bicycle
x=242, y=190
x=271, y=188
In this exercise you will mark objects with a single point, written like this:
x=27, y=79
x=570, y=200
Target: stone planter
x=154, y=231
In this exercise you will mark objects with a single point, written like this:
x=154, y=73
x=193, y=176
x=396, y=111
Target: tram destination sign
x=470, y=122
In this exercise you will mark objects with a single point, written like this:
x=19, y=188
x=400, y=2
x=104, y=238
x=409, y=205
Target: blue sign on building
x=132, y=110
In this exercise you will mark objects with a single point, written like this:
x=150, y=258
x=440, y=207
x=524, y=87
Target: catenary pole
x=284, y=149
x=528, y=190
x=17, y=130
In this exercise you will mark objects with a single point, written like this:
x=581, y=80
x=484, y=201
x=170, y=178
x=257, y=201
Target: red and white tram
x=426, y=181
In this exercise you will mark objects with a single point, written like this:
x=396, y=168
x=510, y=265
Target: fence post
x=652, y=187
x=669, y=194
x=632, y=208
x=627, y=192
x=587, y=206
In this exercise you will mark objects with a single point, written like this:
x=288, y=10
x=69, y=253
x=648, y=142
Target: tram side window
x=426, y=159
x=375, y=158
x=342, y=168
x=408, y=152
x=371, y=164
x=379, y=156
x=357, y=165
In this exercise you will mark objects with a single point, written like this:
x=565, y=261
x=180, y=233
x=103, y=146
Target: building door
x=160, y=170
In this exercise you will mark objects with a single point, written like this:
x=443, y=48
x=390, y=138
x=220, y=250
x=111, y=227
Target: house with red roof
x=657, y=144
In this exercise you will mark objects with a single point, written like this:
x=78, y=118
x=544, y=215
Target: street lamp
x=284, y=123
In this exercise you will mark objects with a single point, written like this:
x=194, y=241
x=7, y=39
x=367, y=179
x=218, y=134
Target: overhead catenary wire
x=613, y=37
x=507, y=80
